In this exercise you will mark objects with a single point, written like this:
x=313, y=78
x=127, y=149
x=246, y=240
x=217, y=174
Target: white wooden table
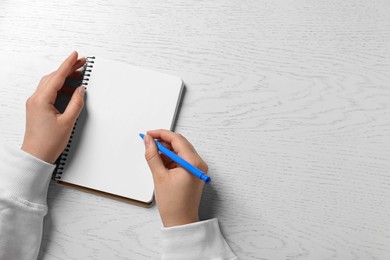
x=287, y=101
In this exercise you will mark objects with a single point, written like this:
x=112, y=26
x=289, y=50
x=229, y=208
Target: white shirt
x=24, y=180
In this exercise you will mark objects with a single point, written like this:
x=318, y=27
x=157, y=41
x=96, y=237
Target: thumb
x=75, y=105
x=154, y=160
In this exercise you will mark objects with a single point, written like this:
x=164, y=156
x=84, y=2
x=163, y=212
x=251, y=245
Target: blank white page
x=121, y=101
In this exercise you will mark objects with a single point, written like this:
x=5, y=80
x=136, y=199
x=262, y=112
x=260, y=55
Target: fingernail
x=82, y=91
x=147, y=140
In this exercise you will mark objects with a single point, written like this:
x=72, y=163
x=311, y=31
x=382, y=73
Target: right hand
x=177, y=191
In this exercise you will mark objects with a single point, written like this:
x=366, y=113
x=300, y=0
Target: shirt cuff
x=200, y=240
x=24, y=176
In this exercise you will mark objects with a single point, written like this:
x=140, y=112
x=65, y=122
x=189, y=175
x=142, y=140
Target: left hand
x=47, y=130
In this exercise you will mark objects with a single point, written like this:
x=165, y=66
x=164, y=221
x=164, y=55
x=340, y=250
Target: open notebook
x=105, y=154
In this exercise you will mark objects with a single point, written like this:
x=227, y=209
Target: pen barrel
x=186, y=165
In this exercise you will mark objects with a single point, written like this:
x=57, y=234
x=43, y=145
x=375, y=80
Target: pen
x=183, y=163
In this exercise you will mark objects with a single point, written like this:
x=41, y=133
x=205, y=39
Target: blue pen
x=183, y=163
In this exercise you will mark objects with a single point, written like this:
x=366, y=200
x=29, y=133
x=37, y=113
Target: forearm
x=24, y=180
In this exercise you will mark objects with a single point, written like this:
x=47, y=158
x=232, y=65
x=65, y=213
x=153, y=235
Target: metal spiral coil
x=87, y=69
x=60, y=162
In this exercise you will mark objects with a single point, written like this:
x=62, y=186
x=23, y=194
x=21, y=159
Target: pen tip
x=141, y=135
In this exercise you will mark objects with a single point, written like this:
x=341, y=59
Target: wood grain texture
x=287, y=101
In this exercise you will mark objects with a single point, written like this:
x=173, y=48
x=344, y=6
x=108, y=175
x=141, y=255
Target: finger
x=79, y=63
x=178, y=142
x=53, y=82
x=74, y=106
x=58, y=77
x=164, y=135
x=73, y=74
x=154, y=160
x=66, y=67
x=43, y=82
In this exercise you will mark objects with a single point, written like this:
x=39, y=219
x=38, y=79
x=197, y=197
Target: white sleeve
x=200, y=240
x=24, y=181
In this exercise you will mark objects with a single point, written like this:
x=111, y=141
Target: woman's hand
x=177, y=191
x=47, y=130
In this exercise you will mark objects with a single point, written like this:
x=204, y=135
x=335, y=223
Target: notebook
x=105, y=154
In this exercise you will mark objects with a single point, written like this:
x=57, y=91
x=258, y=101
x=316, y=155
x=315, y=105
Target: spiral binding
x=60, y=162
